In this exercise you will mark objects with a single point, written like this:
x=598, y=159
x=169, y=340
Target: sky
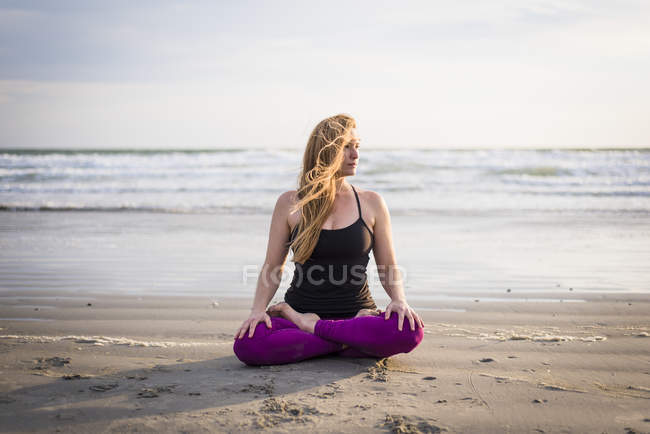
x=261, y=74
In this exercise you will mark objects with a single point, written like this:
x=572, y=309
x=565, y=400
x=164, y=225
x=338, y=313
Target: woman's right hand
x=252, y=321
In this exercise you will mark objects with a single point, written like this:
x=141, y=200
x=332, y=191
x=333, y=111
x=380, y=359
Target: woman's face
x=351, y=154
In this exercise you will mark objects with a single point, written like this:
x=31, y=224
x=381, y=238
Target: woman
x=328, y=307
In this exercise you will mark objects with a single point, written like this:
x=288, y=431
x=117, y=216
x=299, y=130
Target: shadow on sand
x=168, y=390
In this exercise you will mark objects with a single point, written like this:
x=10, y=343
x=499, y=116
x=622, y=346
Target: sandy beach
x=535, y=321
x=112, y=363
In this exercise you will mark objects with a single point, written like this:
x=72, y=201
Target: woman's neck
x=342, y=186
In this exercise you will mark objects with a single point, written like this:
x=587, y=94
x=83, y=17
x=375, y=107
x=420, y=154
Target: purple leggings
x=366, y=336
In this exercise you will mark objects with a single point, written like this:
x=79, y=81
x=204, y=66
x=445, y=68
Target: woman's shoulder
x=370, y=197
x=287, y=196
x=373, y=206
x=285, y=203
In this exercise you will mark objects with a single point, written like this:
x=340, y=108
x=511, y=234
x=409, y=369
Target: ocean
x=468, y=225
x=424, y=182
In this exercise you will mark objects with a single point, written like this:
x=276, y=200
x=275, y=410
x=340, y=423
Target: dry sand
x=165, y=364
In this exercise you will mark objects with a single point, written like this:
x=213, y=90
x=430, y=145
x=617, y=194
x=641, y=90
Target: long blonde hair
x=317, y=182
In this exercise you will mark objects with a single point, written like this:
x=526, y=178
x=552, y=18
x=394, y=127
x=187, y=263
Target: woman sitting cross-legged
x=331, y=228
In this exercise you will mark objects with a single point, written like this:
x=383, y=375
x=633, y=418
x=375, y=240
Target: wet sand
x=112, y=363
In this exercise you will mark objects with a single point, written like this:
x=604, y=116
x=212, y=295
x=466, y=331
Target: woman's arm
x=271, y=273
x=389, y=273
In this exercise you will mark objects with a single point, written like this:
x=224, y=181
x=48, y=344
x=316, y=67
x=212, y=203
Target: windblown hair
x=317, y=181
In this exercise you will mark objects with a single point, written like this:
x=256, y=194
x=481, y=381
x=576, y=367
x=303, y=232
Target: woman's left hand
x=403, y=310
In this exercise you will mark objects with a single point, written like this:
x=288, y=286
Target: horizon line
x=273, y=148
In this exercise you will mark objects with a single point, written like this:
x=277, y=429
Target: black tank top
x=333, y=282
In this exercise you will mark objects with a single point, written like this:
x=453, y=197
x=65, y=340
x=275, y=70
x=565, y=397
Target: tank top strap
x=358, y=203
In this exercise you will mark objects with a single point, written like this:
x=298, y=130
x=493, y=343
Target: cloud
x=246, y=73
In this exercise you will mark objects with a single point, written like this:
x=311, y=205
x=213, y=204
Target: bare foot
x=367, y=312
x=276, y=309
x=304, y=321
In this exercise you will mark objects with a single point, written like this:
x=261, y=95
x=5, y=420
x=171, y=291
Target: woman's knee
x=243, y=349
x=406, y=339
x=247, y=349
x=414, y=337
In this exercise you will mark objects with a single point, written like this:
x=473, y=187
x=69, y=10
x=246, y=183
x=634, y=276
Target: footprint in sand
x=154, y=392
x=136, y=377
x=75, y=377
x=51, y=362
x=103, y=387
x=410, y=424
x=276, y=411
